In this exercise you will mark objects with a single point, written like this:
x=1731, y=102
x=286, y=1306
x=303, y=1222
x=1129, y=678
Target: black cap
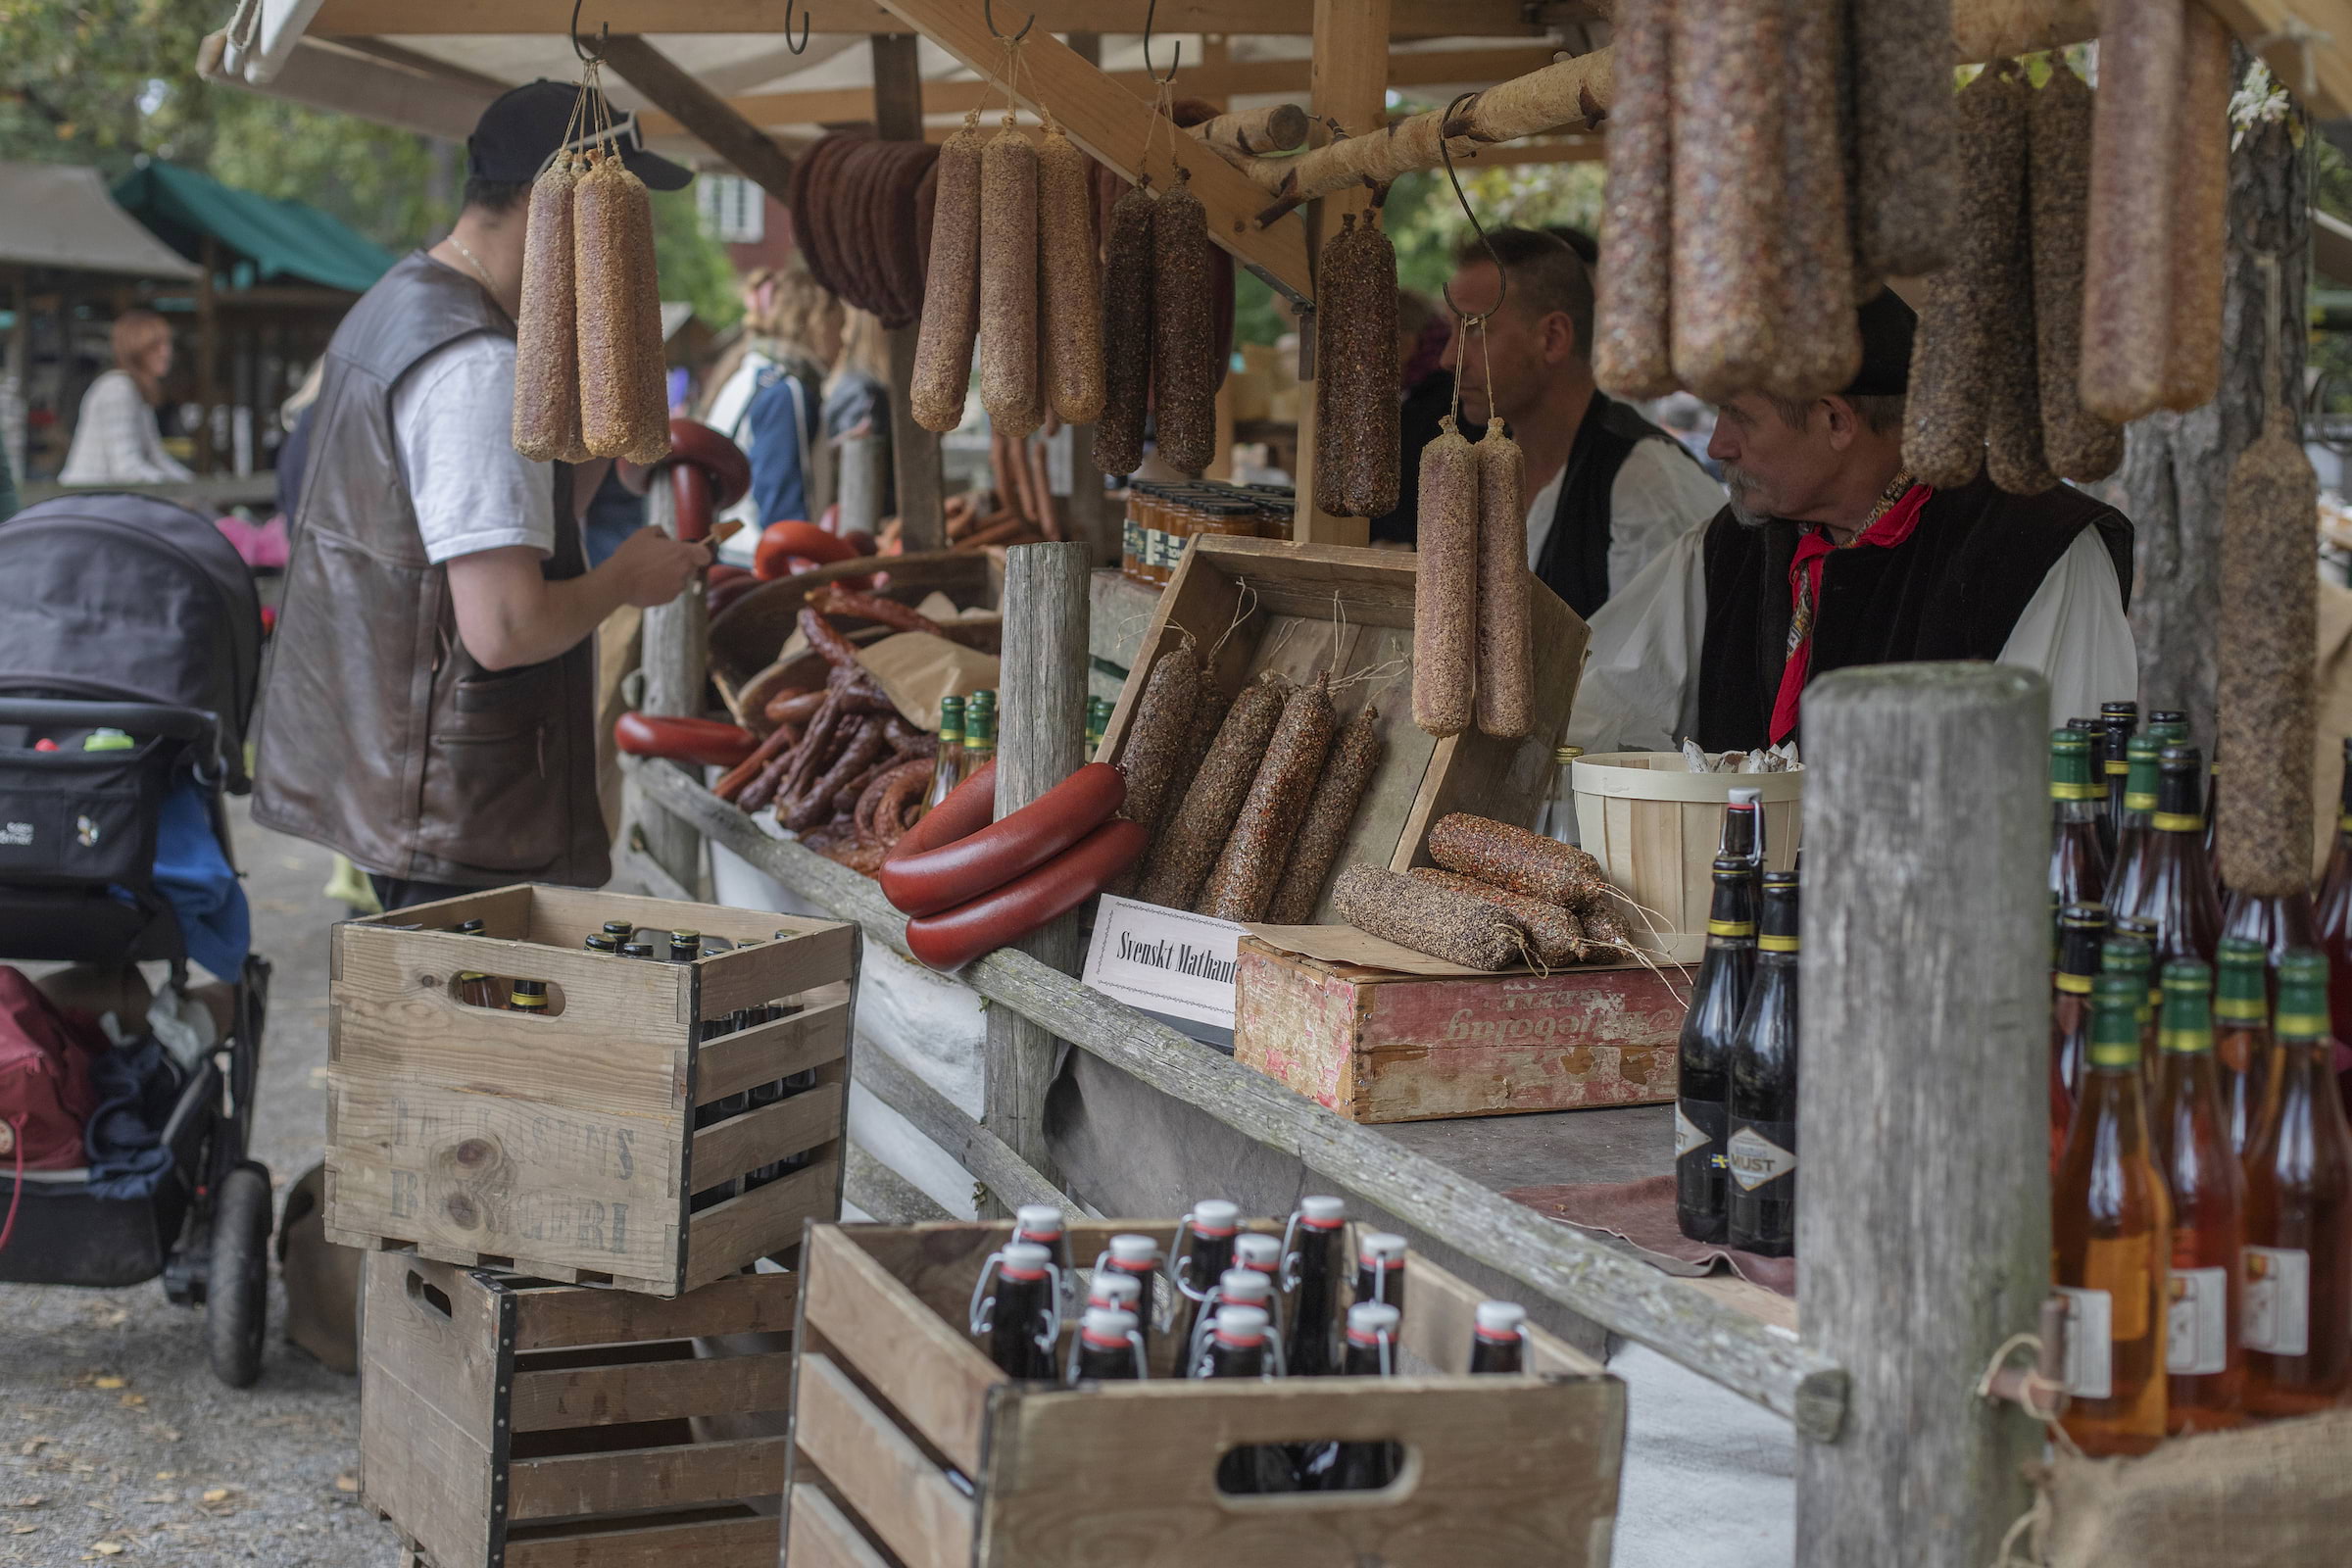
x=523, y=128
x=1887, y=328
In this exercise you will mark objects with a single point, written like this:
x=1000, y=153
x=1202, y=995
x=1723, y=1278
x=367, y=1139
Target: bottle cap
x=1245, y=1284
x=1215, y=1217
x=1385, y=1246
x=1037, y=1219
x=1502, y=1320
x=1115, y=1290
x=2083, y=916
x=602, y=941
x=1132, y=1248
x=1747, y=796
x=1258, y=1252
x=620, y=928
x=1106, y=1326
x=1567, y=753
x=637, y=949
x=1323, y=1214
x=1241, y=1326
x=471, y=928
x=1025, y=1260
x=1366, y=1319
x=682, y=938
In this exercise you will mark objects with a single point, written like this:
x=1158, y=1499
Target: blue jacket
x=781, y=426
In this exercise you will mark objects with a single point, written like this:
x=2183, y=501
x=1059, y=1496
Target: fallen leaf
x=134, y=1401
x=108, y=1549
x=109, y=1381
x=29, y=1502
x=348, y=1481
x=34, y=1445
x=23, y=1529
x=166, y=1475
x=218, y=1494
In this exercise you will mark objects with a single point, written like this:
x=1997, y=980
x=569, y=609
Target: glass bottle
x=2117, y=721
x=1380, y=1269
x=1119, y=1292
x=1499, y=1338
x=2332, y=925
x=1313, y=1258
x=2242, y=1037
x=2298, y=1219
x=620, y=931
x=946, y=755
x=1759, y=1154
x=2335, y=883
x=685, y=947
x=1558, y=820
x=528, y=996
x=636, y=949
x=2176, y=890
x=2078, y=851
x=1041, y=1224
x=602, y=941
x=2081, y=928
x=1742, y=837
x=2132, y=832
x=1239, y=1348
x=1136, y=1258
x=2281, y=922
x=2111, y=1240
x=1371, y=1353
x=1726, y=975
x=979, y=738
x=1109, y=1348
x=2209, y=808
x=1017, y=1317
x=1236, y=1287
x=2130, y=949
x=1214, y=1223
x=2190, y=1138
x=1261, y=1254
x=1096, y=711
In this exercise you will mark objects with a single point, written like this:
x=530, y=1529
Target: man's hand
x=652, y=569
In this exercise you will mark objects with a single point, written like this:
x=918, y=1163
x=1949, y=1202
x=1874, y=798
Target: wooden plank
x=766, y=1052
x=559, y=1319
x=772, y=972
x=651, y=1391
x=879, y=1471
x=387, y=18
x=738, y=1541
x=408, y=975
x=1115, y=127
x=564, y=918
x=1922, y=1238
x=873, y=1187
x=1010, y=1179
x=704, y=114
x=765, y=1135
x=760, y=1223
x=428, y=1383
x=1442, y=1312
x=564, y=1484
x=820, y=1535
x=927, y=1369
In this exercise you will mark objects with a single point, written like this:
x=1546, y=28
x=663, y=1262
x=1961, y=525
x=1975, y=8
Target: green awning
x=282, y=240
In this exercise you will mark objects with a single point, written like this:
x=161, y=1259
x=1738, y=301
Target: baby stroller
x=130, y=652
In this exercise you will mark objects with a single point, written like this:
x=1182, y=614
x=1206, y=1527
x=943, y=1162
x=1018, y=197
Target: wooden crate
x=564, y=1147
x=1264, y=605
x=1377, y=1046
x=912, y=1450
x=511, y=1423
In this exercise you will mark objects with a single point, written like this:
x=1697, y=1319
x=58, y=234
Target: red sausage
x=926, y=881
x=967, y=809
x=794, y=706
x=953, y=939
x=683, y=740
x=781, y=540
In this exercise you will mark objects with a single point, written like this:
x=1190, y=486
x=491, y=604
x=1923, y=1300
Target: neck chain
x=474, y=261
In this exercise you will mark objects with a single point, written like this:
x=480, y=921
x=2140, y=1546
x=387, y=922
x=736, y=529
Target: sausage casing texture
x=1441, y=921
x=1557, y=934
x=1184, y=370
x=2078, y=445
x=547, y=363
x=2013, y=454
x=1072, y=330
x=1506, y=656
x=1008, y=283
x=1631, y=349
x=1330, y=812
x=1445, y=589
x=623, y=389
x=1126, y=334
x=1355, y=372
x=943, y=345
x=1951, y=376
x=1156, y=735
x=1906, y=172
x=2192, y=366
x=2265, y=688
x=1818, y=341
x=1729, y=195
x=2126, y=278
x=1513, y=857
x=1194, y=834
x=1250, y=866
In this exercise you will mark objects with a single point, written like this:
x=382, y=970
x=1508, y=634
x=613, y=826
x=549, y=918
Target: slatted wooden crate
x=912, y=1450
x=564, y=1147
x=511, y=1423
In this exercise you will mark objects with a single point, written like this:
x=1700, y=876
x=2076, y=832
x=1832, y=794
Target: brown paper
x=918, y=669
x=1346, y=943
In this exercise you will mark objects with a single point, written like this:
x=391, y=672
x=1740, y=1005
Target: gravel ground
x=115, y=1442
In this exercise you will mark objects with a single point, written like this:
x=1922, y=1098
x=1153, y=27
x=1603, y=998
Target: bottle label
x=1690, y=1135
x=2196, y=1334
x=1776, y=944
x=2089, y=1337
x=1154, y=548
x=2139, y=801
x=2177, y=822
x=1730, y=928
x=2116, y=770
x=1131, y=539
x=2277, y=1301
x=1761, y=1152
x=2073, y=985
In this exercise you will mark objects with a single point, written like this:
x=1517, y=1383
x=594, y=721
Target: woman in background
x=791, y=336
x=858, y=420
x=115, y=439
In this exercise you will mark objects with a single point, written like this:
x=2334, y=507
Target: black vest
x=1953, y=590
x=1575, y=562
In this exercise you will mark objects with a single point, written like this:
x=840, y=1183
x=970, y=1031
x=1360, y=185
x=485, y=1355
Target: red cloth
x=45, y=1089
x=1892, y=527
x=1642, y=1213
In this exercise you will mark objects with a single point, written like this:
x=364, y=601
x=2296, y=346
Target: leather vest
x=379, y=735
x=1575, y=562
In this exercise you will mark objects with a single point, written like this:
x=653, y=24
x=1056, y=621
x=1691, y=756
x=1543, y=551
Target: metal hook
x=1502, y=279
x=807, y=22
x=1175, y=62
x=988, y=14
x=602, y=34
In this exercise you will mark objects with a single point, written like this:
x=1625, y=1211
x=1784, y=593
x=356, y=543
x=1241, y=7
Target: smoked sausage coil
x=1554, y=933
x=2013, y=454
x=1441, y=921
x=1506, y=659
x=1729, y=192
x=1126, y=334
x=925, y=881
x=1630, y=349
x=1515, y=858
x=793, y=705
x=1008, y=283
x=781, y=739
x=624, y=388
x=943, y=346
x=1195, y=835
x=1250, y=866
x=2265, y=689
x=1818, y=338
x=970, y=807
x=1073, y=328
x=1183, y=370
x=954, y=938
x=866, y=747
x=2076, y=444
x=547, y=366
x=1445, y=592
x=2127, y=279
x=1347, y=774
x=1906, y=171
x=833, y=598
x=2193, y=368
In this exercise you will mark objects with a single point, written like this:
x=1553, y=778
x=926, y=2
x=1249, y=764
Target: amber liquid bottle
x=947, y=758
x=2082, y=927
x=2111, y=1241
x=2242, y=1037
x=2298, y=1219
x=1726, y=975
x=2209, y=808
x=1759, y=1152
x=2206, y=1307
x=2175, y=888
x=2133, y=832
x=2130, y=949
x=2078, y=851
x=2117, y=723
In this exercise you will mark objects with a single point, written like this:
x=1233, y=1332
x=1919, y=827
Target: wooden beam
x=1114, y=126
x=703, y=113
x=385, y=19
x=915, y=452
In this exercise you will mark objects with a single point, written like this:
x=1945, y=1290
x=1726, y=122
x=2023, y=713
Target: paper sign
x=1164, y=961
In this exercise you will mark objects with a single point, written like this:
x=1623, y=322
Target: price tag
x=1166, y=961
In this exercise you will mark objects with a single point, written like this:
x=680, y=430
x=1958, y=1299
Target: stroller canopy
x=124, y=598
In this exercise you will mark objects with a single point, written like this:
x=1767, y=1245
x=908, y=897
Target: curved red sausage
x=779, y=541
x=953, y=939
x=683, y=740
x=925, y=881
x=967, y=809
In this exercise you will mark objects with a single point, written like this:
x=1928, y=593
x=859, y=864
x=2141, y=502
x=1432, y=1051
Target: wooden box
x=912, y=1450
x=510, y=1423
x=1377, y=1046
x=564, y=1146
x=1260, y=605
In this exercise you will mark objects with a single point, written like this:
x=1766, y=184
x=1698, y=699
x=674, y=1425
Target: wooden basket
x=564, y=1146
x=1654, y=826
x=912, y=1450
x=509, y=1423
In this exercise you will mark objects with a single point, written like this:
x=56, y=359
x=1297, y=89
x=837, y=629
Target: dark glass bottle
x=636, y=949
x=2133, y=832
x=621, y=930
x=1214, y=1223
x=1240, y=1348
x=1313, y=1265
x=1017, y=1315
x=2210, y=809
x=1107, y=1347
x=1121, y=1293
x=685, y=945
x=1236, y=1287
x=1371, y=1353
x=2298, y=1217
x=1042, y=1225
x=2191, y=1141
x=1380, y=1269
x=1261, y=1254
x=1725, y=975
x=2081, y=928
x=2176, y=890
x=1137, y=1259
x=1742, y=837
x=2078, y=808
x=2337, y=878
x=2331, y=922
x=2117, y=721
x=2241, y=1036
x=1760, y=1152
x=602, y=941
x=1499, y=1338
x=528, y=996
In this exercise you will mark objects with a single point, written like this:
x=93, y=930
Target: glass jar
x=1131, y=535
x=1557, y=818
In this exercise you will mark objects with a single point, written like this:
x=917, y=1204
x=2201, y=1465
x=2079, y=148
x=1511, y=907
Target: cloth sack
x=321, y=1278
x=45, y=1090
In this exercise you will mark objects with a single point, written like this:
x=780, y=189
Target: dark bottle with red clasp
x=1312, y=1267
x=1017, y=1315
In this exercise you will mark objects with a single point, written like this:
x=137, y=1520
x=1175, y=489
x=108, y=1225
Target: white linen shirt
x=1659, y=496
x=116, y=440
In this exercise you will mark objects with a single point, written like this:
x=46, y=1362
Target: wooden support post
x=677, y=662
x=703, y=113
x=1040, y=740
x=1923, y=1195
x=913, y=451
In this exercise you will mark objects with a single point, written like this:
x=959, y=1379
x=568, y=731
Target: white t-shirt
x=1658, y=496
x=453, y=419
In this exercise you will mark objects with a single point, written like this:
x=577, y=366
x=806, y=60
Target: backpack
x=45, y=1090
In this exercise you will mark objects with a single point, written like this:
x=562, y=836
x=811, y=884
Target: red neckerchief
x=1888, y=529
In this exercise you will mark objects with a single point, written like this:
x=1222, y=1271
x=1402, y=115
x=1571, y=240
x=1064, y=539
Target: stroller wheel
x=236, y=1304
